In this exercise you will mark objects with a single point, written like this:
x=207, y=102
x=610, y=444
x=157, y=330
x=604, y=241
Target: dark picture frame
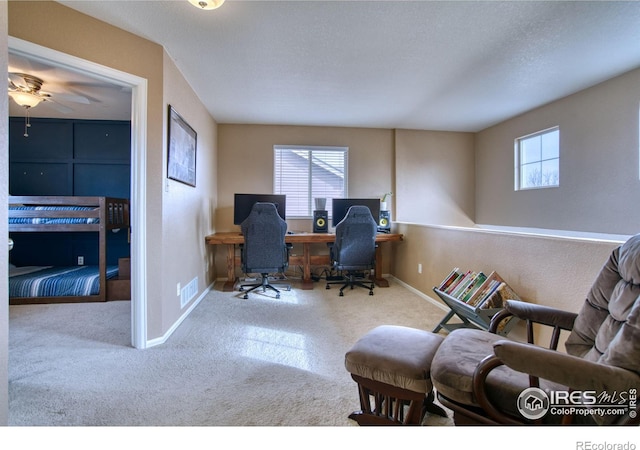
x=181, y=152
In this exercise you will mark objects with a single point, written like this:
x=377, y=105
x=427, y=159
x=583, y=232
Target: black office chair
x=264, y=250
x=354, y=251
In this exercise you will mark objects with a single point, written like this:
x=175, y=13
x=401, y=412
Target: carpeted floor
x=232, y=362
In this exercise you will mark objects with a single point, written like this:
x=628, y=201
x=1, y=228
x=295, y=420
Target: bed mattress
x=56, y=281
x=52, y=220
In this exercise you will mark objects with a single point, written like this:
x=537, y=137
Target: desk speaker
x=384, y=224
x=320, y=221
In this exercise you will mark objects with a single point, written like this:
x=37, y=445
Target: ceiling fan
x=26, y=91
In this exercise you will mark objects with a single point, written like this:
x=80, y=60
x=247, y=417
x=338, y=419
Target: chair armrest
x=544, y=315
x=568, y=370
x=572, y=372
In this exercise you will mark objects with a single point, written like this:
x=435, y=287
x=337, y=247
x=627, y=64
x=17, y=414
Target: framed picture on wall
x=181, y=154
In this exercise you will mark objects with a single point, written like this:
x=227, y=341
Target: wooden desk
x=306, y=260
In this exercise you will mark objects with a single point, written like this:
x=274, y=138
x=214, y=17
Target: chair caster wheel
x=341, y=294
x=245, y=296
x=288, y=288
x=278, y=296
x=328, y=287
x=370, y=292
x=241, y=289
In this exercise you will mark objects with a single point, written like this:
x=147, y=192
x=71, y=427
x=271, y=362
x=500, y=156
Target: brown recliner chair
x=487, y=379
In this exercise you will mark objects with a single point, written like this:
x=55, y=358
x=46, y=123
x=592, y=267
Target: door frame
x=138, y=193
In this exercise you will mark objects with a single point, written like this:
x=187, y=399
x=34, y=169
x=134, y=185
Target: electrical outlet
x=81, y=260
x=178, y=290
x=419, y=268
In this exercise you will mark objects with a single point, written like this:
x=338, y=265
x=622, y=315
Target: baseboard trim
x=431, y=300
x=162, y=339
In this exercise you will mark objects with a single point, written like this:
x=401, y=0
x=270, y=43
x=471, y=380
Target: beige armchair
x=487, y=379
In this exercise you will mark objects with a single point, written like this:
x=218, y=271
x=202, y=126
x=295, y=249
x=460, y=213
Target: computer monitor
x=340, y=206
x=243, y=203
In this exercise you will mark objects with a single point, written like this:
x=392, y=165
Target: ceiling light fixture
x=26, y=99
x=25, y=91
x=206, y=4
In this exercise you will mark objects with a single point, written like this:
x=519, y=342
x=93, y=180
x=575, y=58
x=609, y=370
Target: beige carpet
x=232, y=362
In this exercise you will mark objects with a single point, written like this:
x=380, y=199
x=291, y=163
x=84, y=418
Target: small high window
x=538, y=160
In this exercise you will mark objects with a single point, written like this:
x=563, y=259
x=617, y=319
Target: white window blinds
x=305, y=173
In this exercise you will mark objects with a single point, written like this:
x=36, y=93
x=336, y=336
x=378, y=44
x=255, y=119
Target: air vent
x=188, y=292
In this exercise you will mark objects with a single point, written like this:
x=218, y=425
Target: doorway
x=138, y=88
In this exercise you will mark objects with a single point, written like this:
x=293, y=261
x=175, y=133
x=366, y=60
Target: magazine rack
x=472, y=317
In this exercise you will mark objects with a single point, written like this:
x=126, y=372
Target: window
x=538, y=160
x=305, y=173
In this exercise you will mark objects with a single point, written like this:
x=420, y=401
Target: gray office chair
x=354, y=249
x=264, y=250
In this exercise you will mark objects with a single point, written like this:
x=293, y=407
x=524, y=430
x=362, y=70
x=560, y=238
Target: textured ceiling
x=73, y=95
x=444, y=65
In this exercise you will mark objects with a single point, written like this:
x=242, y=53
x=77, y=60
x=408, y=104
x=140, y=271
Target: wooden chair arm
x=537, y=362
x=536, y=314
x=480, y=375
x=572, y=371
x=544, y=315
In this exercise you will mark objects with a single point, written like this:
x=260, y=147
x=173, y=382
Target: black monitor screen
x=243, y=203
x=340, y=206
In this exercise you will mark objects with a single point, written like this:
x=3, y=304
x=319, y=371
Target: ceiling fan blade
x=58, y=106
x=68, y=97
x=18, y=81
x=73, y=98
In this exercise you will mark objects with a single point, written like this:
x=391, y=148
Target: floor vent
x=188, y=292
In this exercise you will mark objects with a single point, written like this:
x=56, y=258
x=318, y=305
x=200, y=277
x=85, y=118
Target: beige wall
x=245, y=159
x=52, y=25
x=187, y=211
x=598, y=164
x=550, y=271
x=599, y=182
x=435, y=177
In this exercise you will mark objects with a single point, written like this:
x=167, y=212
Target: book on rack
x=497, y=298
x=453, y=275
x=487, y=287
x=474, y=287
x=477, y=289
x=459, y=279
x=463, y=285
